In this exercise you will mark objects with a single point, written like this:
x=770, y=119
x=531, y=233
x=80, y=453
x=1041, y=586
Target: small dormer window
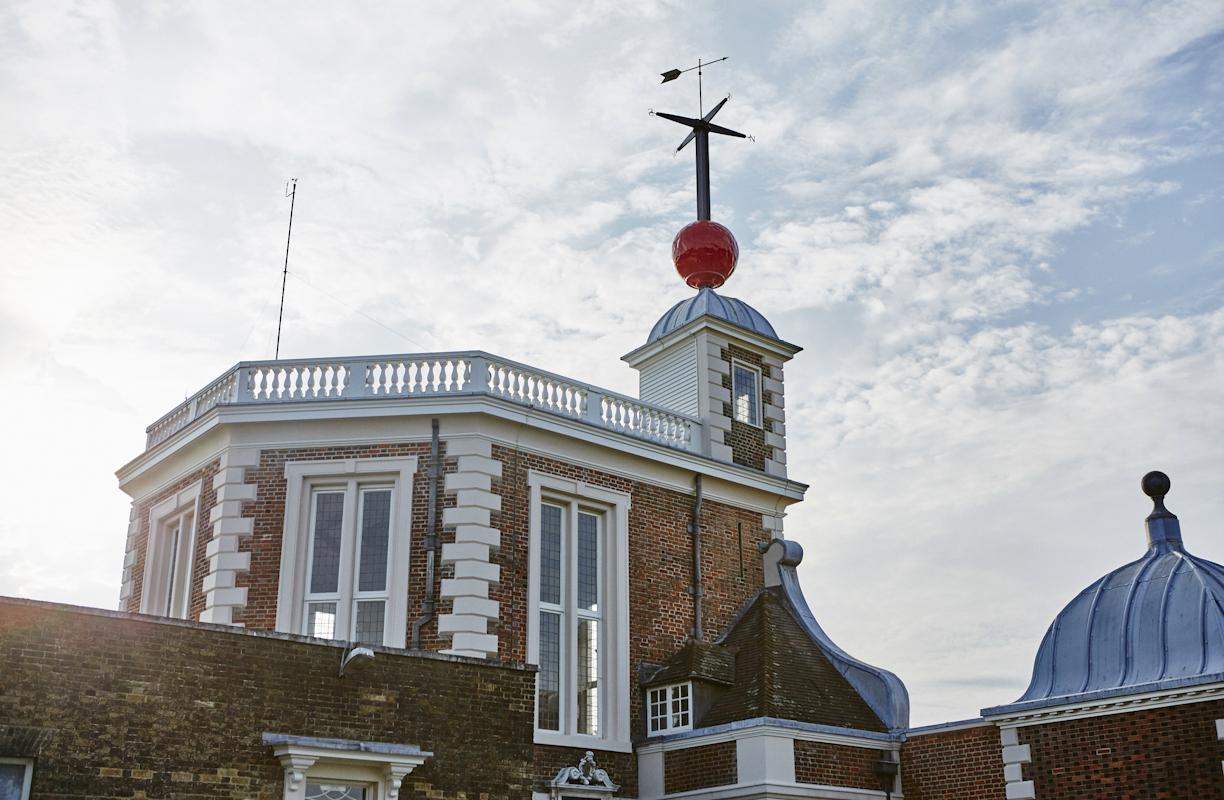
x=669, y=709
x=746, y=393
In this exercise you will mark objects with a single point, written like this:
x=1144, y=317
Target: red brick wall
x=835, y=765
x=699, y=767
x=268, y=510
x=660, y=549
x=1167, y=752
x=964, y=764
x=660, y=558
x=111, y=706
x=203, y=532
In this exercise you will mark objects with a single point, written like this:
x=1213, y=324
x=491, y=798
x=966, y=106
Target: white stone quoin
x=225, y=560
x=466, y=625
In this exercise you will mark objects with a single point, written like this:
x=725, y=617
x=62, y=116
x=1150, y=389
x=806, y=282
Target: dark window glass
x=371, y=616
x=549, y=676
x=375, y=527
x=325, y=563
x=588, y=562
x=747, y=397
x=550, y=555
x=12, y=781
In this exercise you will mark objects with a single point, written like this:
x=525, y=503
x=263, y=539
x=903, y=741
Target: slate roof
x=781, y=672
x=701, y=661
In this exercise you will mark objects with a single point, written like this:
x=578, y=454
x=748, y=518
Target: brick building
x=453, y=576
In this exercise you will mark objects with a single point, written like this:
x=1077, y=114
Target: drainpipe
x=431, y=538
x=695, y=529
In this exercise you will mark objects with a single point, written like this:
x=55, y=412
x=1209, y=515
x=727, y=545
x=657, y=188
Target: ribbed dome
x=707, y=301
x=1153, y=620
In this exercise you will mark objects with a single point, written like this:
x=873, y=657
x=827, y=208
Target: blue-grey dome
x=1155, y=620
x=707, y=301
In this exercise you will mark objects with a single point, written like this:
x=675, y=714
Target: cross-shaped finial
x=702, y=128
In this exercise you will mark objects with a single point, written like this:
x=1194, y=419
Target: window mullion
x=570, y=598
x=348, y=541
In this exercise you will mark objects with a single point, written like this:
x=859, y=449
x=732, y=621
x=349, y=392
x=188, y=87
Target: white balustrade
x=431, y=375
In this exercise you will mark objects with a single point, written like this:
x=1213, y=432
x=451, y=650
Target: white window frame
x=670, y=690
x=302, y=478
x=28, y=763
x=737, y=364
x=615, y=690
x=161, y=594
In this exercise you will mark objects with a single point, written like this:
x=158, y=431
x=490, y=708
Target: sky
x=994, y=227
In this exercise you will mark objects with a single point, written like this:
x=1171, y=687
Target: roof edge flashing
x=884, y=693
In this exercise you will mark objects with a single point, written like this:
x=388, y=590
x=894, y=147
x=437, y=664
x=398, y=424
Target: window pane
x=172, y=542
x=321, y=620
x=550, y=554
x=12, y=781
x=325, y=563
x=680, y=706
x=588, y=562
x=375, y=525
x=334, y=791
x=745, y=390
x=370, y=621
x=588, y=676
x=658, y=709
x=549, y=676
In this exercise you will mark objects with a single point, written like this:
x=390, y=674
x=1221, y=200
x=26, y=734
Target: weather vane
x=702, y=128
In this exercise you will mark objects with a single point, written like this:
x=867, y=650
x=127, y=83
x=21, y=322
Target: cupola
x=1154, y=623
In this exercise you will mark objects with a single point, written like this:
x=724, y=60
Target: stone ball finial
x=1156, y=484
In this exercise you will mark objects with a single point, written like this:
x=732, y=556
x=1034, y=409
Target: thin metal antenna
x=291, y=193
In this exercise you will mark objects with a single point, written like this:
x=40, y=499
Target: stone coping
x=346, y=745
x=212, y=627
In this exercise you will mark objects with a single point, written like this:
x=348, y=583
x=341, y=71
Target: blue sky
x=995, y=228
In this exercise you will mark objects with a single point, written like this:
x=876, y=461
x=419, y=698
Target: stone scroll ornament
x=584, y=780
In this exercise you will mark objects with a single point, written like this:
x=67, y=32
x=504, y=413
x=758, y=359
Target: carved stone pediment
x=585, y=780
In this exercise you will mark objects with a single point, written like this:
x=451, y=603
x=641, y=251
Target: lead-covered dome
x=1157, y=620
x=709, y=302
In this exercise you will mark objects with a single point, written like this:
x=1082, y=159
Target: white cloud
x=484, y=176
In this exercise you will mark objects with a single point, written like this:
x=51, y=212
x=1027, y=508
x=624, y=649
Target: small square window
x=669, y=709
x=746, y=393
x=15, y=777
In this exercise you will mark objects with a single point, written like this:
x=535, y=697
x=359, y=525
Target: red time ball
x=705, y=253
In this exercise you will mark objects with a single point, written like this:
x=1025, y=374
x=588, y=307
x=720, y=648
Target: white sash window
x=346, y=587
x=578, y=620
x=344, y=553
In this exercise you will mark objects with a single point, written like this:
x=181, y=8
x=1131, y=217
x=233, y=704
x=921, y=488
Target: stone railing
x=430, y=375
